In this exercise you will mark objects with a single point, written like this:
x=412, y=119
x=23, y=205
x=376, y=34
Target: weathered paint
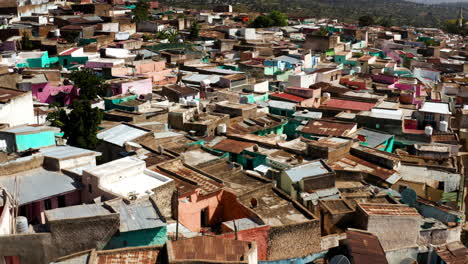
x=139, y=238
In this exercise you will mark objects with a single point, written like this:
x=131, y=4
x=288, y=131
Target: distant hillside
x=398, y=12
x=435, y=2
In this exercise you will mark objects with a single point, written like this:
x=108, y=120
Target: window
x=48, y=204
x=429, y=117
x=40, y=90
x=90, y=188
x=61, y=201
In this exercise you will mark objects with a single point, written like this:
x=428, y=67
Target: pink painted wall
x=155, y=66
x=157, y=76
x=382, y=78
x=143, y=86
x=45, y=92
x=405, y=87
x=190, y=212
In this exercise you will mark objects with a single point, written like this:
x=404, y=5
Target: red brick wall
x=259, y=235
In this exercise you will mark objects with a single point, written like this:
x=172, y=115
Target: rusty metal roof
x=354, y=164
x=453, y=253
x=135, y=255
x=208, y=248
x=329, y=128
x=180, y=170
x=389, y=210
x=233, y=146
x=364, y=247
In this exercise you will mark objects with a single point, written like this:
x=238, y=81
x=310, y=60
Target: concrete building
x=126, y=178
x=16, y=107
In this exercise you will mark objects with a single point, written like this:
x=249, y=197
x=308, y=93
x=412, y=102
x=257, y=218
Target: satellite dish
x=340, y=259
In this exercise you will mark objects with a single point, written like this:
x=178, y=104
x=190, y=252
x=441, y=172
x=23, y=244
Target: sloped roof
x=364, y=247
x=233, y=146
x=208, y=248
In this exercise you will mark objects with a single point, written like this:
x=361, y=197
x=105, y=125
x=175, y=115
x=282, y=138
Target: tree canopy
x=141, y=11
x=365, y=21
x=91, y=86
x=194, y=30
x=80, y=126
x=274, y=19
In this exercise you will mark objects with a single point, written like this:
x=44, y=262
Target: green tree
x=194, y=30
x=26, y=43
x=262, y=22
x=279, y=19
x=321, y=32
x=81, y=125
x=91, y=86
x=274, y=19
x=141, y=11
x=365, y=21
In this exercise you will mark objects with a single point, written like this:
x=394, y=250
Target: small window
x=48, y=204
x=90, y=188
x=40, y=90
x=61, y=201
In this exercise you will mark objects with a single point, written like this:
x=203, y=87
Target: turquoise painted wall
x=38, y=140
x=110, y=104
x=139, y=238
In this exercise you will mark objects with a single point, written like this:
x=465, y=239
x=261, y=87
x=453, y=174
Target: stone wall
x=163, y=198
x=73, y=235
x=293, y=241
x=31, y=248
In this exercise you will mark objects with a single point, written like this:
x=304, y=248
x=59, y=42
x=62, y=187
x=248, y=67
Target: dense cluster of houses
x=317, y=142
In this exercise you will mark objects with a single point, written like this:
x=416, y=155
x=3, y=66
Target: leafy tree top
x=91, y=86
x=274, y=19
x=141, y=11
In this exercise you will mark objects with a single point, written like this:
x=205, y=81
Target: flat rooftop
x=128, y=176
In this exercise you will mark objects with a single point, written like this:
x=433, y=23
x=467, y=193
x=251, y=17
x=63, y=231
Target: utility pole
x=177, y=213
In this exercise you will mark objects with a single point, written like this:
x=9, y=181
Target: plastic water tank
x=428, y=130
x=443, y=126
x=326, y=95
x=22, y=226
x=57, y=33
x=222, y=129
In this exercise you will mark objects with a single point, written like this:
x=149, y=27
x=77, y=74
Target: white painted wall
x=18, y=111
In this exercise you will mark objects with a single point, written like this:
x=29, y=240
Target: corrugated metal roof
x=241, y=224
x=389, y=209
x=207, y=248
x=453, y=253
x=77, y=211
x=311, y=169
x=75, y=259
x=134, y=255
x=329, y=128
x=374, y=138
x=28, y=129
x=287, y=97
x=347, y=104
x=120, y=134
x=137, y=216
x=355, y=164
x=64, y=152
x=281, y=105
x=39, y=184
x=233, y=146
x=365, y=248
